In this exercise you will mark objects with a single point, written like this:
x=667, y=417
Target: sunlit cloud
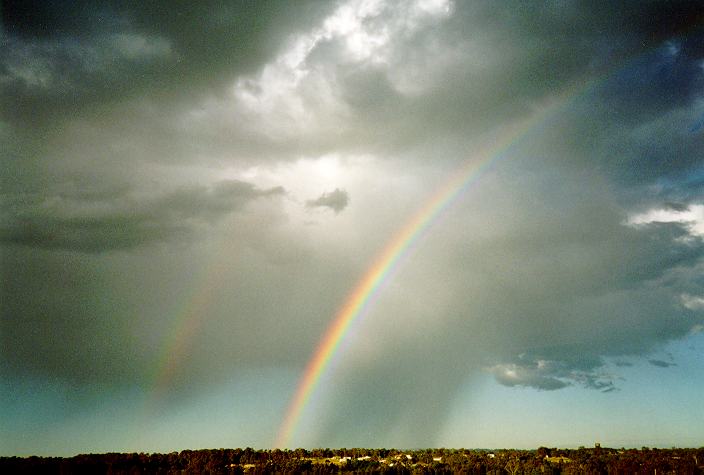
x=691, y=216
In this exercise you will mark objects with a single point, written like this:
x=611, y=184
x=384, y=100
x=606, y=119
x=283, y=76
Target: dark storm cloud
x=61, y=57
x=637, y=119
x=512, y=59
x=120, y=219
x=336, y=200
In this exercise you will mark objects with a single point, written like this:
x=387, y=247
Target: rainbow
x=188, y=323
x=400, y=245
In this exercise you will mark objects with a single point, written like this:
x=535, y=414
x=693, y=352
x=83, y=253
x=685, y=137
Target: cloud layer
x=161, y=166
x=95, y=222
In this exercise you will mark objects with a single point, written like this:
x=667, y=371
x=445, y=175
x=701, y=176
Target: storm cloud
x=161, y=164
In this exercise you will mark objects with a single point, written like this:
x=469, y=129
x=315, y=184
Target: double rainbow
x=191, y=319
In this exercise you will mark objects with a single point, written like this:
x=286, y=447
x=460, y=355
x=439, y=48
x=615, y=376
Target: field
x=544, y=460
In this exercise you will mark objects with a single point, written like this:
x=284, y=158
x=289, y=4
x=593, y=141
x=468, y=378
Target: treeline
x=542, y=461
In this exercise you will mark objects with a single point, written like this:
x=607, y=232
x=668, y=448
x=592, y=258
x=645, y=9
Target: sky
x=191, y=191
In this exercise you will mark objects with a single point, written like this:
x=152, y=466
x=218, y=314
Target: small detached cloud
x=661, y=363
x=529, y=376
x=336, y=200
x=549, y=375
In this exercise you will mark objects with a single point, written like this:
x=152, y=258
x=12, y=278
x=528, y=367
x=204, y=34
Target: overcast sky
x=190, y=191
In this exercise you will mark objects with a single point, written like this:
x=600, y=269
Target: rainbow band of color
x=395, y=250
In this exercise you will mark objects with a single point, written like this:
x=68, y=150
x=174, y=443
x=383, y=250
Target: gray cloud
x=97, y=222
x=661, y=363
x=623, y=364
x=676, y=206
x=336, y=200
x=552, y=375
x=530, y=375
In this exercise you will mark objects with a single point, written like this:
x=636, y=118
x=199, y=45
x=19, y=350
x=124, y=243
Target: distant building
x=558, y=459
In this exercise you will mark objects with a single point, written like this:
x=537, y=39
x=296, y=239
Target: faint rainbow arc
x=188, y=323
x=396, y=248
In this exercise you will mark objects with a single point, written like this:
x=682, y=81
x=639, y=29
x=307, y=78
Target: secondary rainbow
x=188, y=323
x=399, y=246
